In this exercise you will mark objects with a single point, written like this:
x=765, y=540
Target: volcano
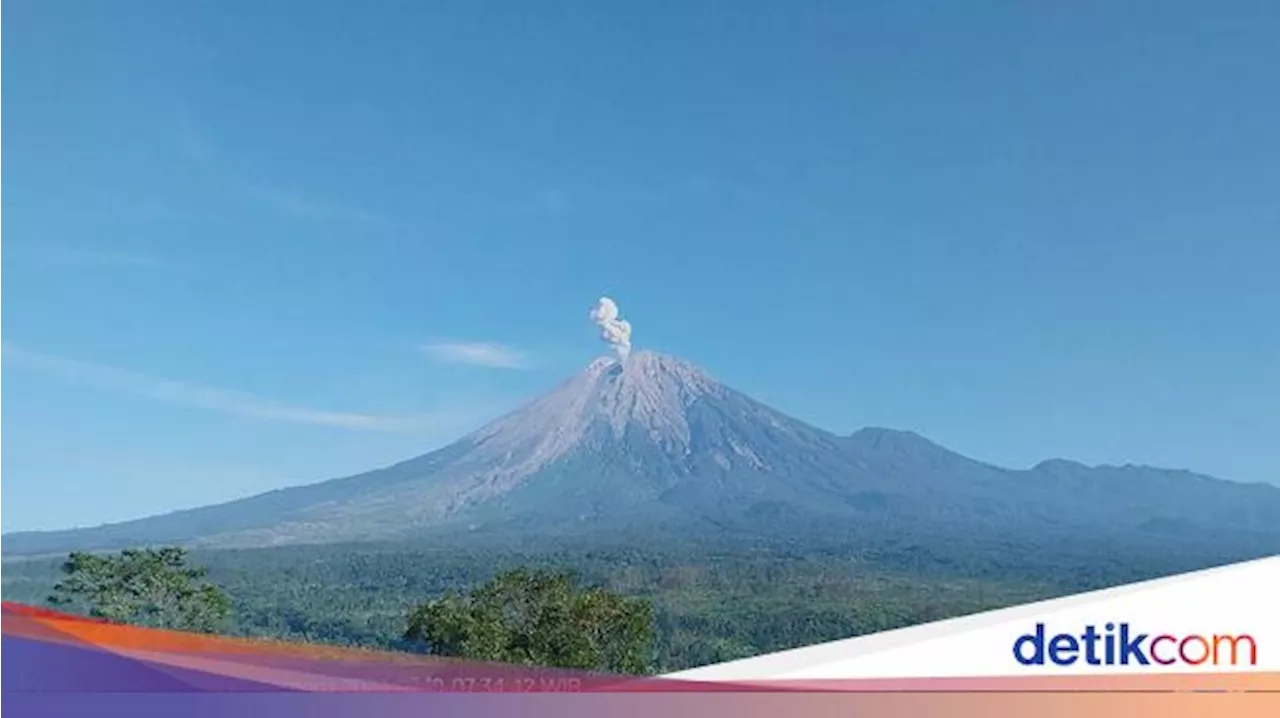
x=655, y=445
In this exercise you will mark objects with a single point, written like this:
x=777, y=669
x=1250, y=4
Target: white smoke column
x=615, y=331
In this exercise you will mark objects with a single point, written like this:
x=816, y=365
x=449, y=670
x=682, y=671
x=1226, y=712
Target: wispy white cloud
x=83, y=256
x=199, y=151
x=553, y=201
x=193, y=144
x=133, y=204
x=182, y=393
x=588, y=197
x=301, y=207
x=487, y=354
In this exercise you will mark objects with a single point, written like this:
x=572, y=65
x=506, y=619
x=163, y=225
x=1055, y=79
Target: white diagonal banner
x=1224, y=619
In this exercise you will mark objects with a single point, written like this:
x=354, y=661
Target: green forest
x=705, y=603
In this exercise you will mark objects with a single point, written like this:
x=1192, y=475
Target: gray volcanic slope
x=655, y=442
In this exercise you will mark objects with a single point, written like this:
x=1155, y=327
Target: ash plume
x=615, y=331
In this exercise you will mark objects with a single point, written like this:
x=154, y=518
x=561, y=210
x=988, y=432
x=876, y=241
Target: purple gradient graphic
x=62, y=665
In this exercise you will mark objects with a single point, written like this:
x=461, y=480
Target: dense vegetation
x=539, y=618
x=711, y=602
x=148, y=587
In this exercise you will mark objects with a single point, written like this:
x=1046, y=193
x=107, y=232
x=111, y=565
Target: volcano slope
x=653, y=446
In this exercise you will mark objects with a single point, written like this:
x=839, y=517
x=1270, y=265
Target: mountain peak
x=650, y=391
x=652, y=439
x=644, y=363
x=879, y=437
x=653, y=371
x=647, y=391
x=1059, y=465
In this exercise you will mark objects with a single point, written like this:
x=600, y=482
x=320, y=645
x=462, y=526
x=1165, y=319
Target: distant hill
x=656, y=445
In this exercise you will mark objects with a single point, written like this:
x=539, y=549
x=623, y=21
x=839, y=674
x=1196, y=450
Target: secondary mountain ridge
x=653, y=441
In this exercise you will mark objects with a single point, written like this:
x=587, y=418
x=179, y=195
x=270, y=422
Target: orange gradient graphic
x=299, y=667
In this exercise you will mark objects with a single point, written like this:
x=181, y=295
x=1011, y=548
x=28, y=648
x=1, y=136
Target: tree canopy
x=712, y=601
x=539, y=618
x=147, y=587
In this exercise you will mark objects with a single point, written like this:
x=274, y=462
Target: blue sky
x=252, y=245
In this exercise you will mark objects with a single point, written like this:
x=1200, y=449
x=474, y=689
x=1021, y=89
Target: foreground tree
x=539, y=618
x=145, y=587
